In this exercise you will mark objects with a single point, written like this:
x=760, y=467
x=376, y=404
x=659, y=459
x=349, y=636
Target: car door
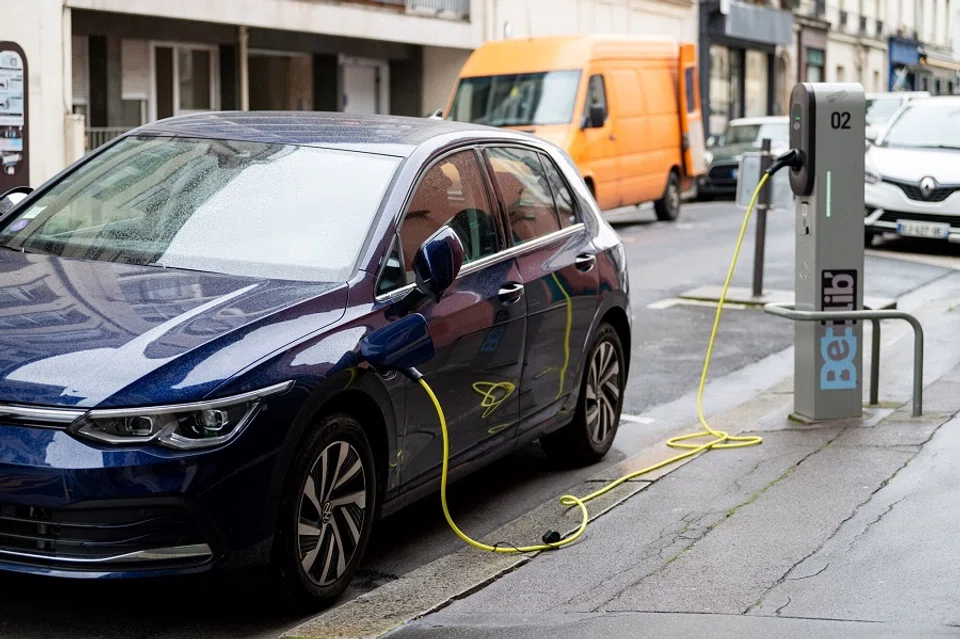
x=600, y=147
x=478, y=326
x=557, y=264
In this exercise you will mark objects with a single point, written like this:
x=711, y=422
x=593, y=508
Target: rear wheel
x=327, y=511
x=591, y=433
x=667, y=208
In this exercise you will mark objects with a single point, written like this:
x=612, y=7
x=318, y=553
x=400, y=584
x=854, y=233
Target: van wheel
x=326, y=513
x=667, y=208
x=590, y=435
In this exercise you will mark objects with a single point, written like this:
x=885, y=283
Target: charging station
x=827, y=125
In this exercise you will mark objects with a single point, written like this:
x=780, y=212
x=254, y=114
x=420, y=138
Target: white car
x=881, y=107
x=912, y=173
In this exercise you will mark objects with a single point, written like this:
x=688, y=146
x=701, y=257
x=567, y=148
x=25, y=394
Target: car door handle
x=511, y=293
x=585, y=262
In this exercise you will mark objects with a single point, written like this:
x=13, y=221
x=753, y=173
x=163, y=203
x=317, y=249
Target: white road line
x=636, y=419
x=667, y=303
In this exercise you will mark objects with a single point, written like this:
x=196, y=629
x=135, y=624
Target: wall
x=841, y=53
x=441, y=67
x=307, y=15
x=673, y=18
x=39, y=26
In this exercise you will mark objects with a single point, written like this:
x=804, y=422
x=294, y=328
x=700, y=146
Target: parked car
x=912, y=173
x=743, y=135
x=881, y=107
x=625, y=108
x=182, y=313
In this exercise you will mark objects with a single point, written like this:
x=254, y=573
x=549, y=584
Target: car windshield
x=930, y=126
x=517, y=100
x=241, y=208
x=777, y=132
x=880, y=110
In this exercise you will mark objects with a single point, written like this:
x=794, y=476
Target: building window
x=757, y=83
x=925, y=83
x=719, y=81
x=949, y=87
x=841, y=73
x=876, y=81
x=815, y=65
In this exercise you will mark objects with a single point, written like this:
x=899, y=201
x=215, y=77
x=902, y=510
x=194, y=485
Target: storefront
x=738, y=44
x=941, y=73
x=905, y=71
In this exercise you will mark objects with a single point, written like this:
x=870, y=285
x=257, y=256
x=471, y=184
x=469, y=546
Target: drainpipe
x=244, y=38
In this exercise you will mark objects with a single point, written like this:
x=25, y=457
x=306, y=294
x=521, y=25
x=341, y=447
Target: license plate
x=923, y=229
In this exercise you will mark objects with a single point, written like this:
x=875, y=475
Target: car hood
x=730, y=153
x=87, y=333
x=912, y=165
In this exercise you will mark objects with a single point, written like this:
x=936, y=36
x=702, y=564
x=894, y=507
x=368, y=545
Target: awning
x=949, y=65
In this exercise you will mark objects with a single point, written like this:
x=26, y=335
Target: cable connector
x=792, y=158
x=551, y=537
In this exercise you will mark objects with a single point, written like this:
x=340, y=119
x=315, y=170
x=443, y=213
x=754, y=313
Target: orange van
x=626, y=109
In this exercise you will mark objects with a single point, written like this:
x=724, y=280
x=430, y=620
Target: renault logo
x=927, y=185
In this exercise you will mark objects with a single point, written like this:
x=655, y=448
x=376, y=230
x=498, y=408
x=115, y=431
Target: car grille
x=913, y=192
x=77, y=536
x=894, y=216
x=723, y=173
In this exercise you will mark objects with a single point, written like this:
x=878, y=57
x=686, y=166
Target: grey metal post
x=763, y=205
x=827, y=122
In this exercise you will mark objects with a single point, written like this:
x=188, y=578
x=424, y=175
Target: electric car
x=912, y=173
x=185, y=319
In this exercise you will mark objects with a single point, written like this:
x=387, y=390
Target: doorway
x=280, y=81
x=186, y=79
x=365, y=85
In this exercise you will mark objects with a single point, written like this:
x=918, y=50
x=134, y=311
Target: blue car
x=182, y=315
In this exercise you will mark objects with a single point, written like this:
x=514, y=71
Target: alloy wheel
x=603, y=392
x=330, y=518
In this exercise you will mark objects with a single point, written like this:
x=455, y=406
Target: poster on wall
x=14, y=158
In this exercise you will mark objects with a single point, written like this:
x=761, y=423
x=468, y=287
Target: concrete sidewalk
x=845, y=529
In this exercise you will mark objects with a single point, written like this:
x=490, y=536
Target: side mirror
x=10, y=199
x=437, y=263
x=596, y=116
x=404, y=343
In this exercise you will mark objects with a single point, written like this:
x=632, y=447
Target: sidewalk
x=840, y=529
x=837, y=529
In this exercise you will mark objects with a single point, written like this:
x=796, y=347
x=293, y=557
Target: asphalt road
x=665, y=260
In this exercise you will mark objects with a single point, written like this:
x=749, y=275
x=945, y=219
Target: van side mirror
x=437, y=263
x=10, y=199
x=596, y=117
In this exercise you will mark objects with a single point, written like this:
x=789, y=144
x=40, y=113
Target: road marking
x=667, y=303
x=636, y=419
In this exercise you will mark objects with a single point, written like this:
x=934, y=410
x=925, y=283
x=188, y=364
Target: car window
x=936, y=126
x=451, y=193
x=753, y=134
x=563, y=199
x=596, y=93
x=526, y=193
x=252, y=209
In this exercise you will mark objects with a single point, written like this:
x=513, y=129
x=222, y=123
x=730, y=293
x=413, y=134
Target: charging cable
x=690, y=443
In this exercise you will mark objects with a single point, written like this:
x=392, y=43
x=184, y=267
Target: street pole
x=763, y=204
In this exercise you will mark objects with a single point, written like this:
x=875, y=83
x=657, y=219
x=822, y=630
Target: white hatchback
x=913, y=173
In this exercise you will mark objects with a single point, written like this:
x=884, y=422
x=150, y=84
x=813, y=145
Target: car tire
x=320, y=542
x=667, y=208
x=591, y=433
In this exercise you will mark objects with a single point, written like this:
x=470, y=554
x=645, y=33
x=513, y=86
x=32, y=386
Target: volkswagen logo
x=927, y=185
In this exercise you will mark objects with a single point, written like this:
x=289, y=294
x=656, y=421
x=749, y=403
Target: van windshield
x=522, y=99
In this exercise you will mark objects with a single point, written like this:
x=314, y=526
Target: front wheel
x=667, y=208
x=327, y=511
x=590, y=435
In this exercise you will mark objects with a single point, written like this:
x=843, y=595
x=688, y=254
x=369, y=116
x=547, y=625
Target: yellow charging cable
x=720, y=439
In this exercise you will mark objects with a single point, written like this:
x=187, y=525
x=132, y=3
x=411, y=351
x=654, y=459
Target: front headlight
x=708, y=156
x=182, y=427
